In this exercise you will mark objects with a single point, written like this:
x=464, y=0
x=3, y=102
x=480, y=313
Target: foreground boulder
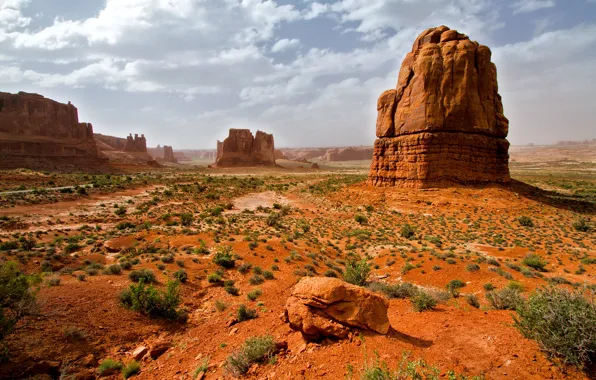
x=327, y=307
x=444, y=122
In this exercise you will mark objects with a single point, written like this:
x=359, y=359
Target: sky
x=309, y=71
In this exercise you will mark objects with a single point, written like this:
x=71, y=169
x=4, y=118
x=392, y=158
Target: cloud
x=285, y=44
x=526, y=6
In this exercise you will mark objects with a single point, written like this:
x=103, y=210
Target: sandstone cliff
x=40, y=133
x=349, y=154
x=241, y=148
x=168, y=154
x=444, y=122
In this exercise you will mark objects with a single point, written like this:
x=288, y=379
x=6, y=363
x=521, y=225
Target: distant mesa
x=168, y=154
x=444, y=122
x=136, y=144
x=131, y=150
x=279, y=155
x=349, y=154
x=241, y=148
x=40, y=133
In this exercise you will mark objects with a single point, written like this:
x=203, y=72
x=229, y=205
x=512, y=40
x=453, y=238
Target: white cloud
x=526, y=6
x=285, y=44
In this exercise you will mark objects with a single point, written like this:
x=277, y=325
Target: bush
x=254, y=294
x=146, y=275
x=113, y=269
x=151, y=301
x=224, y=258
x=232, y=290
x=454, y=285
x=562, y=322
x=186, y=219
x=407, y=231
x=505, y=299
x=131, y=369
x=581, y=225
x=214, y=278
x=54, y=281
x=357, y=272
x=361, y=219
x=423, y=301
x=181, y=276
x=472, y=300
x=254, y=350
x=525, y=221
x=256, y=280
x=244, y=268
x=268, y=275
x=108, y=367
x=472, y=267
x=403, y=290
x=17, y=300
x=245, y=314
x=534, y=261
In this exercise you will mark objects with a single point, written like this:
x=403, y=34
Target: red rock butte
x=241, y=148
x=40, y=133
x=444, y=122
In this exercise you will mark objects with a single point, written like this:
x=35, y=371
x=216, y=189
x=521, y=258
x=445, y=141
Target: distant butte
x=444, y=122
x=241, y=148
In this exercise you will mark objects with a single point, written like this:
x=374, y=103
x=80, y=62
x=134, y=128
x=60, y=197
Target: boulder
x=159, y=348
x=322, y=307
x=444, y=122
x=139, y=353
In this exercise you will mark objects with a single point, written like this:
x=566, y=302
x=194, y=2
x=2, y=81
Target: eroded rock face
x=241, y=148
x=279, y=155
x=35, y=131
x=349, y=154
x=136, y=144
x=444, y=122
x=328, y=307
x=168, y=154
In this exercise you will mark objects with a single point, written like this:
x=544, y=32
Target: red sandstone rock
x=35, y=130
x=136, y=144
x=279, y=155
x=444, y=123
x=328, y=307
x=168, y=154
x=349, y=154
x=242, y=149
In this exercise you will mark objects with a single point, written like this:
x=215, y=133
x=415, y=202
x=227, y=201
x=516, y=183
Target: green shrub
x=224, y=257
x=244, y=268
x=113, y=269
x=151, y=301
x=423, y=301
x=525, y=221
x=268, y=275
x=489, y=286
x=403, y=290
x=407, y=231
x=245, y=314
x=582, y=225
x=454, y=285
x=8, y=245
x=146, y=275
x=505, y=299
x=254, y=294
x=254, y=350
x=472, y=300
x=131, y=369
x=215, y=278
x=108, y=367
x=357, y=272
x=181, y=276
x=232, y=290
x=360, y=219
x=186, y=219
x=54, y=281
x=534, y=261
x=17, y=300
x=562, y=322
x=472, y=267
x=256, y=280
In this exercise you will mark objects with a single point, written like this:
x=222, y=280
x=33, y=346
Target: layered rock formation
x=168, y=154
x=241, y=148
x=40, y=133
x=279, y=155
x=328, y=307
x=444, y=122
x=136, y=144
x=109, y=142
x=349, y=154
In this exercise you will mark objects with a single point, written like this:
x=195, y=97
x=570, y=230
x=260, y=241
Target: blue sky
x=184, y=71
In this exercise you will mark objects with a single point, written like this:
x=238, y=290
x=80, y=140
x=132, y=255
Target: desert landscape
x=441, y=251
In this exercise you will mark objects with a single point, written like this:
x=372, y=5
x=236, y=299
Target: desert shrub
x=224, y=257
x=151, y=301
x=244, y=268
x=125, y=225
x=330, y=273
x=360, y=219
x=256, y=280
x=27, y=244
x=423, y=301
x=558, y=280
x=186, y=219
x=505, y=299
x=113, y=269
x=525, y=221
x=454, y=285
x=254, y=294
x=257, y=270
x=403, y=290
x=245, y=314
x=167, y=259
x=17, y=300
x=8, y=245
x=54, y=281
x=131, y=369
x=562, y=322
x=181, y=276
x=109, y=366
x=534, y=261
x=407, y=231
x=220, y=306
x=581, y=225
x=357, y=272
x=489, y=286
x=268, y=275
x=472, y=267
x=254, y=350
x=472, y=300
x=145, y=275
x=232, y=290
x=215, y=278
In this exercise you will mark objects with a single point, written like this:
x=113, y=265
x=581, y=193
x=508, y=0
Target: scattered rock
x=328, y=307
x=159, y=348
x=139, y=353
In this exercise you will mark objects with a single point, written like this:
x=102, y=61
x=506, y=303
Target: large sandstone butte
x=444, y=122
x=168, y=154
x=40, y=133
x=241, y=148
